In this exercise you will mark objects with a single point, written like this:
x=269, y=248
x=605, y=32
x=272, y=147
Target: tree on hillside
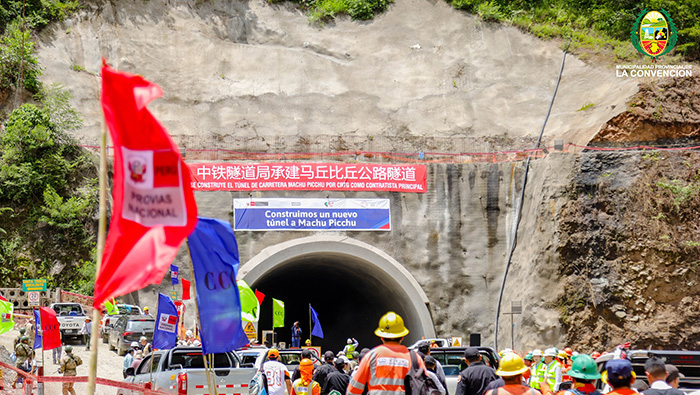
x=48, y=196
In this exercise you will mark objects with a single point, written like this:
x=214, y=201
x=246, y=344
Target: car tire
x=121, y=352
x=111, y=347
x=105, y=339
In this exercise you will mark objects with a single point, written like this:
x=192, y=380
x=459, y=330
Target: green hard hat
x=585, y=368
x=69, y=348
x=528, y=357
x=23, y=338
x=22, y=330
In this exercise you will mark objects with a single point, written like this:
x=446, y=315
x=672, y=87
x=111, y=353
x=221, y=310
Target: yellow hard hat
x=511, y=365
x=391, y=326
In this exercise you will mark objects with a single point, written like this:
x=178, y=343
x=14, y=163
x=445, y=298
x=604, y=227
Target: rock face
x=250, y=76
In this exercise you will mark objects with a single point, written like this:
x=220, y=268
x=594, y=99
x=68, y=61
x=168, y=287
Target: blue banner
x=37, y=328
x=165, y=333
x=174, y=274
x=317, y=331
x=214, y=254
x=312, y=214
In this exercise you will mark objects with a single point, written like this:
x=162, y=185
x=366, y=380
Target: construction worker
x=511, y=370
x=69, y=364
x=296, y=334
x=350, y=347
x=528, y=364
x=584, y=373
x=538, y=369
x=306, y=385
x=146, y=311
x=553, y=369
x=384, y=368
x=564, y=360
x=619, y=375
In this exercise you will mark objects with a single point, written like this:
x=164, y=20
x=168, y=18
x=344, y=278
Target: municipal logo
x=654, y=33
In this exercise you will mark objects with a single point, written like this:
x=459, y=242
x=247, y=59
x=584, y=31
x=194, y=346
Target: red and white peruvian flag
x=154, y=207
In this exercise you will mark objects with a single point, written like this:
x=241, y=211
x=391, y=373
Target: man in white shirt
x=278, y=377
x=655, y=370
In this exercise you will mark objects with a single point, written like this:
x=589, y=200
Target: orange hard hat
x=595, y=354
x=569, y=351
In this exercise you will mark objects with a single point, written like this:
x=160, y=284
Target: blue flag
x=214, y=254
x=174, y=274
x=37, y=331
x=165, y=333
x=317, y=331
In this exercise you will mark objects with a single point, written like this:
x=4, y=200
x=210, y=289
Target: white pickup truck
x=71, y=317
x=181, y=371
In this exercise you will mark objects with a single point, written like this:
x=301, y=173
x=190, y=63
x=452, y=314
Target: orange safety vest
x=383, y=371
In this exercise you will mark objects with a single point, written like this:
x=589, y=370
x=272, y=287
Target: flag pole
x=102, y=231
x=150, y=379
x=310, y=322
x=198, y=321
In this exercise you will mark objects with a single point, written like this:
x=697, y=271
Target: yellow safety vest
x=551, y=373
x=538, y=375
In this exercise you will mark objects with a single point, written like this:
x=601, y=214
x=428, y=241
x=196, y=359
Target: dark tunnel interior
x=349, y=295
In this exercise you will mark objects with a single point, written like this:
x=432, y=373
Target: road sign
x=250, y=330
x=456, y=341
x=37, y=284
x=33, y=298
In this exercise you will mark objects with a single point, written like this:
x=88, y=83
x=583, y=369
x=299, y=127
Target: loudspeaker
x=475, y=339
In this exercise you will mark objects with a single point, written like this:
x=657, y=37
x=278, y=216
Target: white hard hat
x=537, y=353
x=349, y=340
x=189, y=333
x=134, y=344
x=550, y=352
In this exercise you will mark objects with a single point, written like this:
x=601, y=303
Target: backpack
x=417, y=382
x=258, y=384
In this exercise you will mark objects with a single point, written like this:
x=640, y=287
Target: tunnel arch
x=350, y=284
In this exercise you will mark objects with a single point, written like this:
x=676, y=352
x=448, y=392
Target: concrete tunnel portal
x=349, y=283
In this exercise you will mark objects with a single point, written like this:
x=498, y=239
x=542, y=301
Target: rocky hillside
x=629, y=245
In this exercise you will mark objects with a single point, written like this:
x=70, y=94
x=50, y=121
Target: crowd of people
x=384, y=369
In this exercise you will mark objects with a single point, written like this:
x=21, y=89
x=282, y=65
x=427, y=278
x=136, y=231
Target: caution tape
x=83, y=379
x=77, y=295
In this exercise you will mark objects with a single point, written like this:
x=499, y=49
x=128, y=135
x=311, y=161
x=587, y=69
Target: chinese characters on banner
x=308, y=177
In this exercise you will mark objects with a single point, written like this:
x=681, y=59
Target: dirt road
x=109, y=366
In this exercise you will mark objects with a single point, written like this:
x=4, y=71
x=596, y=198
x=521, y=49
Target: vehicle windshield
x=68, y=309
x=194, y=360
x=127, y=310
x=141, y=325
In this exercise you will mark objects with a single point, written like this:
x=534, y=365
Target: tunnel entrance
x=349, y=283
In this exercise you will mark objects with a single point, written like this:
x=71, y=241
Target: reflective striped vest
x=551, y=374
x=538, y=374
x=383, y=370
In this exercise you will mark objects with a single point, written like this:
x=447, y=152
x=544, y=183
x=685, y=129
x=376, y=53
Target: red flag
x=51, y=334
x=185, y=289
x=3, y=299
x=260, y=296
x=154, y=208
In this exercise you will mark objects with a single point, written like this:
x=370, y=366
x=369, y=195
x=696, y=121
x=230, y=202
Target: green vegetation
x=48, y=195
x=586, y=107
x=595, y=27
x=320, y=11
x=17, y=54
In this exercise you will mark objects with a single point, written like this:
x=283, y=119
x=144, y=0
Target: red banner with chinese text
x=308, y=177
